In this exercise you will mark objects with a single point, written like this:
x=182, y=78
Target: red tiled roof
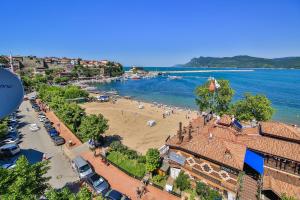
x=280, y=187
x=226, y=152
x=236, y=142
x=281, y=130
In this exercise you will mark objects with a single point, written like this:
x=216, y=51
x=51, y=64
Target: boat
x=174, y=77
x=135, y=77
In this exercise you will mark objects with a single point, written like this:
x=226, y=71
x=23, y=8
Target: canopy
x=255, y=161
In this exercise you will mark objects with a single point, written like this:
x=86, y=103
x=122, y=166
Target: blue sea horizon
x=281, y=86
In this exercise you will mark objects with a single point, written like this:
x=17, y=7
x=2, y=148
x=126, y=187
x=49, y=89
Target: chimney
x=190, y=133
x=179, y=133
x=180, y=127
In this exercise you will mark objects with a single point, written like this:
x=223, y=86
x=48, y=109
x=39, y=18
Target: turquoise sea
x=281, y=86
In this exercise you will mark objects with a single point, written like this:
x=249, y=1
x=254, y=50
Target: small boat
x=135, y=77
x=174, y=77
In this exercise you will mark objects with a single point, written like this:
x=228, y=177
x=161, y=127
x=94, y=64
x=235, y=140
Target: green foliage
x=159, y=180
x=152, y=159
x=70, y=113
x=117, y=146
x=182, y=181
x=25, y=181
x=72, y=92
x=244, y=62
x=3, y=128
x=61, y=79
x=66, y=194
x=253, y=107
x=218, y=102
x=92, y=127
x=132, y=166
x=206, y=193
x=131, y=154
x=284, y=196
x=3, y=60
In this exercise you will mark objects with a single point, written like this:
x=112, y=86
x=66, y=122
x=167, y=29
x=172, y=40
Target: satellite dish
x=11, y=92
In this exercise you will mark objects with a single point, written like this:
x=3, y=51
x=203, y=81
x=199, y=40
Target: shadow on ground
x=32, y=155
x=111, y=138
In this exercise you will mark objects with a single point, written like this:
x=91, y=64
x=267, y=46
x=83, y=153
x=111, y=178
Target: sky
x=152, y=32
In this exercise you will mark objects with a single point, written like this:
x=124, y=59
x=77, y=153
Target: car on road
x=53, y=132
x=34, y=127
x=82, y=167
x=97, y=183
x=9, y=149
x=115, y=195
x=58, y=140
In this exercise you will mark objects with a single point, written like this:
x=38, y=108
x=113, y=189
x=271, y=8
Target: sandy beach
x=127, y=120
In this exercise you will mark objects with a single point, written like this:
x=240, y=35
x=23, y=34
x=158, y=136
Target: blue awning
x=255, y=161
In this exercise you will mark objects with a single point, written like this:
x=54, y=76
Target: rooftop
x=222, y=143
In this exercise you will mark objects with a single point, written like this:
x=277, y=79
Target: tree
x=3, y=128
x=24, y=181
x=218, y=101
x=152, y=159
x=92, y=126
x=72, y=92
x=284, y=196
x=71, y=114
x=253, y=107
x=66, y=194
x=182, y=181
x=206, y=193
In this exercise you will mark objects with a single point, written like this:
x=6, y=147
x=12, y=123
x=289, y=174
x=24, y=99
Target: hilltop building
x=245, y=161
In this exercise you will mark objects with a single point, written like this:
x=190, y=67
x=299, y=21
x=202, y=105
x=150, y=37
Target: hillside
x=244, y=62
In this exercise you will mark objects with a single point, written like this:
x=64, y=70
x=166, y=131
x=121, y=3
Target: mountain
x=244, y=62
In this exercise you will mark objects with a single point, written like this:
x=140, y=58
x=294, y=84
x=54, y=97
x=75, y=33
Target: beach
x=129, y=120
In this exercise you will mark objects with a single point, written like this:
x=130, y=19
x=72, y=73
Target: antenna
x=11, y=63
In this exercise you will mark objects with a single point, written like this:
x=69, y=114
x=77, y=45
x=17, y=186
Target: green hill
x=244, y=62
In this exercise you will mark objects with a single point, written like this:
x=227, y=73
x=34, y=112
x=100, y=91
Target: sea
x=281, y=86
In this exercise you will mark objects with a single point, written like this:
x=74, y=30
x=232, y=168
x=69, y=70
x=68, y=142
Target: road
x=35, y=144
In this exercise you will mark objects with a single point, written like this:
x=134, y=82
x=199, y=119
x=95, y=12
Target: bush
x=141, y=159
x=160, y=180
x=182, y=181
x=205, y=192
x=117, y=146
x=152, y=159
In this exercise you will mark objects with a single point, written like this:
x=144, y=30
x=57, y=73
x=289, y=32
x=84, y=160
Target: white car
x=11, y=140
x=34, y=127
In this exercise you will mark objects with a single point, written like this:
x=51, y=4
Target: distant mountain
x=245, y=62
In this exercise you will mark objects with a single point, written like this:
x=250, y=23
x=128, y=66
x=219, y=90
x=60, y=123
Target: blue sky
x=152, y=32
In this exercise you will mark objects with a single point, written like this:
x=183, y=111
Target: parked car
x=12, y=129
x=53, y=132
x=9, y=164
x=82, y=167
x=9, y=149
x=48, y=127
x=97, y=183
x=115, y=195
x=11, y=140
x=57, y=140
x=34, y=127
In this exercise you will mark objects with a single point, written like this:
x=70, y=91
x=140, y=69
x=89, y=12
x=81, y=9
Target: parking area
x=36, y=145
